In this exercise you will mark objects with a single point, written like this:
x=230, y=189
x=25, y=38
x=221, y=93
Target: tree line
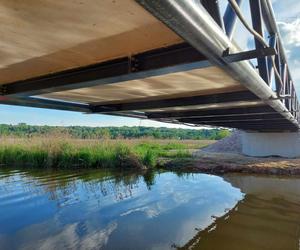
x=84, y=132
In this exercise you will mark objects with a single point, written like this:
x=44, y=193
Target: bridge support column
x=285, y=144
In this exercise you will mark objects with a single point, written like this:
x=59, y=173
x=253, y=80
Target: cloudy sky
x=288, y=17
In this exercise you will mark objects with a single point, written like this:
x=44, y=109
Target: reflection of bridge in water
x=267, y=218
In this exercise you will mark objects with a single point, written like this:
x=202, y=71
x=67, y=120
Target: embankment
x=225, y=157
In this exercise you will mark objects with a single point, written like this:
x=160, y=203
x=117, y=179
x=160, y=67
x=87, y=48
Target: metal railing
x=199, y=23
x=262, y=15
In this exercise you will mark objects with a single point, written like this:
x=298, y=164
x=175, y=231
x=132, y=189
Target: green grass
x=74, y=153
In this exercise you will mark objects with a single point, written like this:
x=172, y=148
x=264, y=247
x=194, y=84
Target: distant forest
x=81, y=132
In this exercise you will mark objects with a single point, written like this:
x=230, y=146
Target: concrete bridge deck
x=171, y=61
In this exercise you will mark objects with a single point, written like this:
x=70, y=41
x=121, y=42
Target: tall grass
x=64, y=152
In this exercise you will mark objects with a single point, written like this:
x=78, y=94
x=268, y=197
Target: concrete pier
x=285, y=144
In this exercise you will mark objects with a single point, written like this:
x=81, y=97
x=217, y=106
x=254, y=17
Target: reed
x=64, y=152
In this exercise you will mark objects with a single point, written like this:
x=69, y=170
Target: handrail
x=193, y=23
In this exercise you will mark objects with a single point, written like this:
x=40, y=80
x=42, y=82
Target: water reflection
x=267, y=218
x=106, y=210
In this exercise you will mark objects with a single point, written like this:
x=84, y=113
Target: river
x=100, y=209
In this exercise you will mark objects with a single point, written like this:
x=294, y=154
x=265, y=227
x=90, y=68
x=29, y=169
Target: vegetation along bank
x=65, y=152
x=132, y=148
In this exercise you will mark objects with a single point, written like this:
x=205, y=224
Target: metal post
x=272, y=44
x=279, y=69
x=256, y=15
x=230, y=19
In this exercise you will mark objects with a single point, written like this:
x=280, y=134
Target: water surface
x=103, y=210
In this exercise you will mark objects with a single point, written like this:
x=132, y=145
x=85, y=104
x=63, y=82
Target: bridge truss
x=207, y=41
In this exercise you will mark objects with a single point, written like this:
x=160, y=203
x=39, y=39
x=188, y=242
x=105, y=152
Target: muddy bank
x=221, y=163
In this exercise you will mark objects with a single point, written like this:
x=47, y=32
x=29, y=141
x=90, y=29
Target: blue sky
x=35, y=116
x=288, y=16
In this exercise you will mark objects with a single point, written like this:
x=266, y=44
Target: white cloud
x=291, y=32
x=287, y=9
x=68, y=238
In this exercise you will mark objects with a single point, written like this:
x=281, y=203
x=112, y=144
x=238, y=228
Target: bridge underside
x=115, y=58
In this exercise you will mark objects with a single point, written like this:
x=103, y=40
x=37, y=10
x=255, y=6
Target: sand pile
x=230, y=144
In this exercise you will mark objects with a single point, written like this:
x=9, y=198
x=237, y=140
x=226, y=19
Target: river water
x=100, y=209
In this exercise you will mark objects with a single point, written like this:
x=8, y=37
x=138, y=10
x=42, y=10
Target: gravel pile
x=231, y=144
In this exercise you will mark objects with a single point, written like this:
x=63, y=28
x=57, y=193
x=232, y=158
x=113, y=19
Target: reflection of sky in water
x=66, y=210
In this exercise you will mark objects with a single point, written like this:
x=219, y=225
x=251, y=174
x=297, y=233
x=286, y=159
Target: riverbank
x=225, y=162
x=139, y=154
x=59, y=152
x=225, y=156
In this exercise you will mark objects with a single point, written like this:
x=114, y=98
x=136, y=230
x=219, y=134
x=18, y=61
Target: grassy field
x=65, y=152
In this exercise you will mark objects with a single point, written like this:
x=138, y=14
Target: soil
x=225, y=157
